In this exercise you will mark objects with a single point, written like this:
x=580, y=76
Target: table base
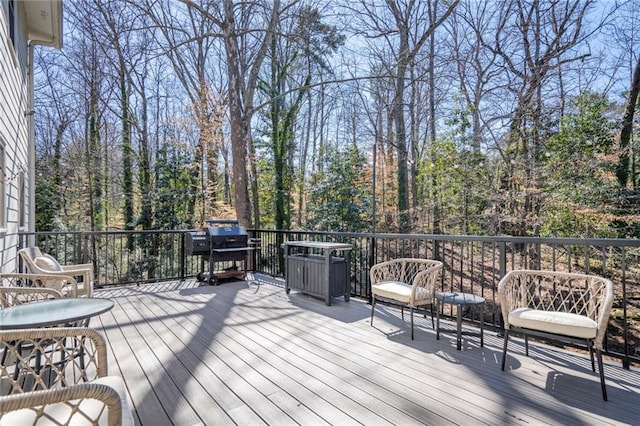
x=459, y=331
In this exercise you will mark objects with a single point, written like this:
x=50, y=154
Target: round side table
x=460, y=300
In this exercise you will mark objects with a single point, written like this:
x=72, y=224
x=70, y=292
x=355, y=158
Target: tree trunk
x=255, y=195
x=432, y=128
x=127, y=155
x=146, y=208
x=622, y=171
x=239, y=119
x=401, y=135
x=94, y=159
x=57, y=168
x=242, y=85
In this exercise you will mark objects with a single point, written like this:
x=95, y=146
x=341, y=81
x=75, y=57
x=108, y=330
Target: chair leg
x=402, y=312
x=504, y=349
x=437, y=320
x=431, y=312
x=601, y=369
x=526, y=344
x=373, y=306
x=590, y=346
x=411, y=322
x=432, y=323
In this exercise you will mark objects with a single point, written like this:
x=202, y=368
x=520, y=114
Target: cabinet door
x=315, y=276
x=295, y=272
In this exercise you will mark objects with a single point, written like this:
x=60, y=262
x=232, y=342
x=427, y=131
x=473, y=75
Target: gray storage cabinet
x=324, y=275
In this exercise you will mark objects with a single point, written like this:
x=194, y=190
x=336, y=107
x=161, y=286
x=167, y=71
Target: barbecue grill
x=223, y=241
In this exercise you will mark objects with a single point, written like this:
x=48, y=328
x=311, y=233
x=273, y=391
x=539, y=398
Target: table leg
x=327, y=281
x=459, y=328
x=347, y=258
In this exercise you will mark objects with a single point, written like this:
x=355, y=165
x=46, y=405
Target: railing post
x=90, y=253
x=626, y=362
x=370, y=263
x=83, y=246
x=254, y=243
x=502, y=247
x=183, y=257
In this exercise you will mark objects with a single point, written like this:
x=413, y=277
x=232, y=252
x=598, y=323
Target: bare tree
x=56, y=112
x=113, y=25
x=625, y=32
x=396, y=23
x=245, y=49
x=89, y=68
x=533, y=40
x=190, y=42
x=622, y=171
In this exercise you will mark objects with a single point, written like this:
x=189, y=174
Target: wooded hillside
x=463, y=117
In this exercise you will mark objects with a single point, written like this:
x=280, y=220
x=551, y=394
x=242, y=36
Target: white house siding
x=13, y=130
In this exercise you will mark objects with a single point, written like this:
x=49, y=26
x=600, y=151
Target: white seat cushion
x=47, y=263
x=563, y=323
x=395, y=290
x=91, y=407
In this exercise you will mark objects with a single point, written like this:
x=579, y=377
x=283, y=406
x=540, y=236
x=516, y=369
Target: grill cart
x=222, y=241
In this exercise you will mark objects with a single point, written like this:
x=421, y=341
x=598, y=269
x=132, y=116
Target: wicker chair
x=65, y=286
x=60, y=379
x=405, y=282
x=43, y=264
x=557, y=305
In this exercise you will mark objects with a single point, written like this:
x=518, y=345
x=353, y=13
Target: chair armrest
x=33, y=402
x=425, y=284
x=87, y=282
x=81, y=267
x=12, y=296
x=507, y=295
x=61, y=283
x=86, y=271
x=603, y=311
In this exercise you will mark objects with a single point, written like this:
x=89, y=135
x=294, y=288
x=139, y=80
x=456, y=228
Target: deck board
x=247, y=353
x=122, y=361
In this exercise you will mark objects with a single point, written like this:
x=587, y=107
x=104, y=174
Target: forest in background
x=511, y=117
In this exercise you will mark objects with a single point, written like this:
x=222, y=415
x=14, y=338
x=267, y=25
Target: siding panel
x=13, y=130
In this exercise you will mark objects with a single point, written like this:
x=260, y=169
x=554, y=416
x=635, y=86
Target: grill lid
x=225, y=231
x=224, y=228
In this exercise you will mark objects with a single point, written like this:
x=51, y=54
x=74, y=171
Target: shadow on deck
x=247, y=353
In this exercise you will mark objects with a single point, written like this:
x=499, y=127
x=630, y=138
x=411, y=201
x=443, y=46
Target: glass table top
x=52, y=312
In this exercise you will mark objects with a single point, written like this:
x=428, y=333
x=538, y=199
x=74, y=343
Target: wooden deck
x=247, y=353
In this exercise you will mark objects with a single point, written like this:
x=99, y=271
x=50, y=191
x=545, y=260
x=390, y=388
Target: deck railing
x=472, y=263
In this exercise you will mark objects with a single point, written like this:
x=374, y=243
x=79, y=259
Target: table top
x=52, y=312
x=319, y=245
x=460, y=298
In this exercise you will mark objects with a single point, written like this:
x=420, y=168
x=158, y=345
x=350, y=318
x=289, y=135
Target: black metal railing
x=472, y=263
x=120, y=257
